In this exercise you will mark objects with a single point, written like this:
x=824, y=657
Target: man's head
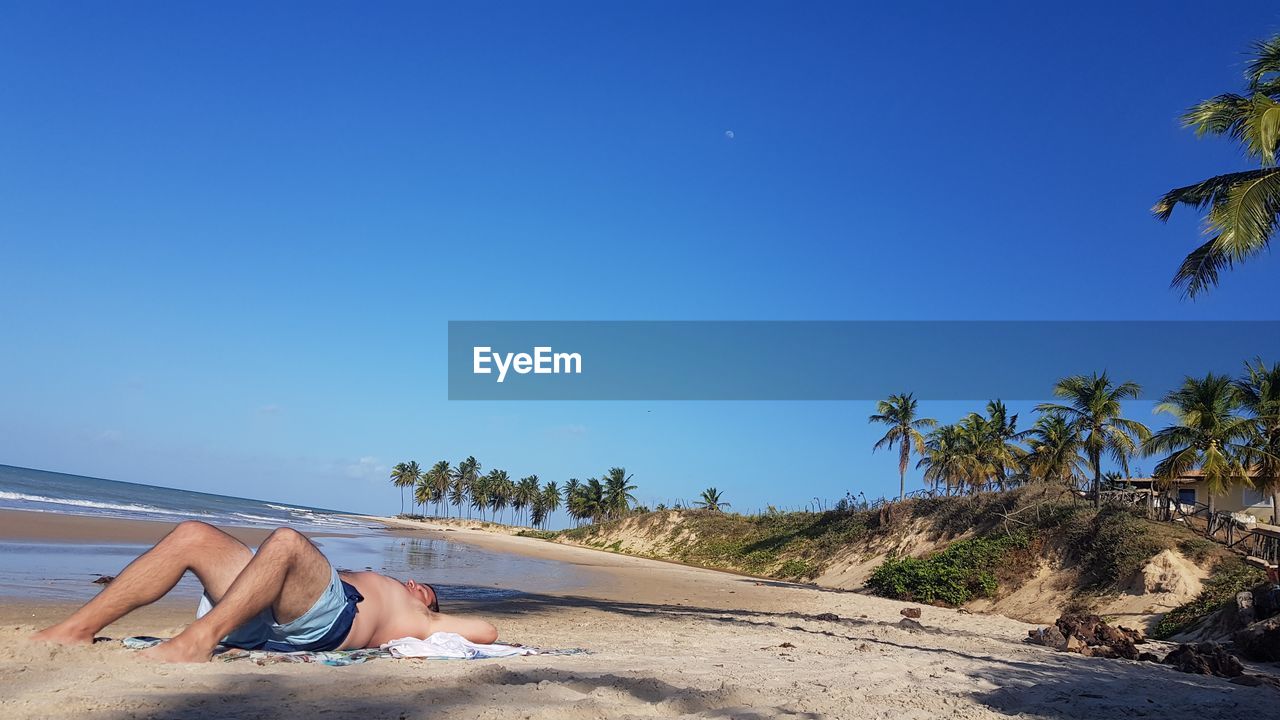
x=425, y=593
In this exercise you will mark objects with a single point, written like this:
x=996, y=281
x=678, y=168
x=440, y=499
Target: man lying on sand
x=285, y=597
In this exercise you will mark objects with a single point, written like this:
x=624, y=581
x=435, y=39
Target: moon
x=728, y=134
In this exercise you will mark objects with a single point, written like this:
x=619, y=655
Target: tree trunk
x=1097, y=481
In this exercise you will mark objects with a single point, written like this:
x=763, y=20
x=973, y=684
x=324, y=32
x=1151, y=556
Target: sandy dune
x=668, y=641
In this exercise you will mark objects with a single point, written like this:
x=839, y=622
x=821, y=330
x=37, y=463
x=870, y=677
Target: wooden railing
x=1252, y=539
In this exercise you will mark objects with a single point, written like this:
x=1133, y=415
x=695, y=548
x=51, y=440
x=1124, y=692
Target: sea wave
x=93, y=504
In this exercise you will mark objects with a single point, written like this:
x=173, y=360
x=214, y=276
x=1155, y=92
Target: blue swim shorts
x=324, y=627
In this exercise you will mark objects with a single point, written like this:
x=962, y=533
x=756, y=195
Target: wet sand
x=53, y=527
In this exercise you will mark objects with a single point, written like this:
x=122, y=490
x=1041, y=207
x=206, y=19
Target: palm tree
x=423, y=492
x=1056, y=454
x=572, y=500
x=1003, y=427
x=987, y=449
x=406, y=475
x=943, y=457
x=899, y=413
x=1208, y=434
x=1243, y=207
x=500, y=491
x=458, y=492
x=550, y=499
x=527, y=492
x=468, y=473
x=1093, y=407
x=1259, y=394
x=617, y=492
x=480, y=493
x=439, y=477
x=538, y=511
x=592, y=500
x=711, y=500
x=400, y=478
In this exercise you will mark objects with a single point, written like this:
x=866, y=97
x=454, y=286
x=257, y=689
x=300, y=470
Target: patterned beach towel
x=341, y=658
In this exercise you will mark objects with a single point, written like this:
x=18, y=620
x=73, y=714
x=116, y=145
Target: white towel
x=450, y=645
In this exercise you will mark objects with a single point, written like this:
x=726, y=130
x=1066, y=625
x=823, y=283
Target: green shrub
x=1197, y=549
x=797, y=570
x=1230, y=577
x=964, y=570
x=1111, y=545
x=540, y=534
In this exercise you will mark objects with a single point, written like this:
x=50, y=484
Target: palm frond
x=1225, y=114
x=1200, y=269
x=1261, y=71
x=1247, y=218
x=1205, y=193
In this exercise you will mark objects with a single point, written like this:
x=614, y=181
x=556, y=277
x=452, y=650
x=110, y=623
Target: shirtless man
x=286, y=597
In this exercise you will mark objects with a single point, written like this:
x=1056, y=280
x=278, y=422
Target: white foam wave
x=92, y=504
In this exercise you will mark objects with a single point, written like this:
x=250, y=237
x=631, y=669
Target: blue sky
x=232, y=236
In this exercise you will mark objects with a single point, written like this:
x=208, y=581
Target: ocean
x=43, y=491
x=66, y=570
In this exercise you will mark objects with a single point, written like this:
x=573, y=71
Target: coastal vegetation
x=531, y=501
x=974, y=545
x=964, y=570
x=1226, y=428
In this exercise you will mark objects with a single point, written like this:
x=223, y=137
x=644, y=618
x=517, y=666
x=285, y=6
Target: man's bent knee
x=286, y=537
x=194, y=530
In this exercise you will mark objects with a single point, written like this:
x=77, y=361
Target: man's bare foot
x=59, y=635
x=180, y=649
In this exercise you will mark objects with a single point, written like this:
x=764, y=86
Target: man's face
x=422, y=592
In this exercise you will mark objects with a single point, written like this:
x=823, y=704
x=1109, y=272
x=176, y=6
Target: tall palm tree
x=1243, y=207
x=550, y=499
x=1207, y=433
x=1056, y=452
x=423, y=492
x=527, y=492
x=481, y=488
x=468, y=473
x=572, y=500
x=1093, y=405
x=500, y=491
x=401, y=479
x=1259, y=393
x=538, y=511
x=899, y=413
x=711, y=499
x=439, y=477
x=406, y=475
x=617, y=492
x=458, y=492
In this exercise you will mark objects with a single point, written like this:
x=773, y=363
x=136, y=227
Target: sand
x=667, y=641
x=52, y=527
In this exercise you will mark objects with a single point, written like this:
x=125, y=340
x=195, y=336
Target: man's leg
x=215, y=557
x=288, y=574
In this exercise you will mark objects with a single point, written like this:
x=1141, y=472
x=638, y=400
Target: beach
x=664, y=641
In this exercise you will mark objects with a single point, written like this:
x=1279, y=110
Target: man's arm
x=471, y=628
